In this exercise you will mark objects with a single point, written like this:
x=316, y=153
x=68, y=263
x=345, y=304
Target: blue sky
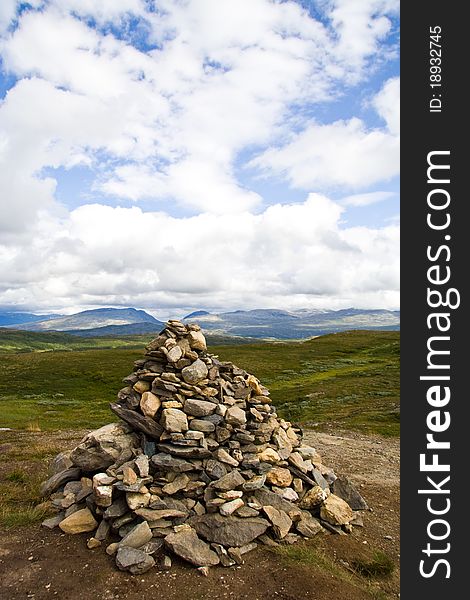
x=184, y=154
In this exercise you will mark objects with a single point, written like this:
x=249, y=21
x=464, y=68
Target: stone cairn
x=200, y=466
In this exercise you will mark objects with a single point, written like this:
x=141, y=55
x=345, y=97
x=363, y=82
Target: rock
x=191, y=548
x=222, y=553
x=199, y=408
x=201, y=425
x=267, y=498
x=308, y=526
x=344, y=489
x=197, y=341
x=336, y=511
x=129, y=476
x=138, y=536
x=169, y=463
x=57, y=480
x=174, y=420
x=225, y=457
x=236, y=555
x=81, y=521
x=149, y=404
x=230, y=507
x=246, y=511
x=141, y=386
x=185, y=451
x=215, y=469
x=195, y=372
x=230, y=481
x=103, y=530
x=230, y=495
x=269, y=455
x=314, y=497
x=152, y=547
x=93, y=543
x=60, y=463
x=53, y=521
x=103, y=495
x=298, y=485
x=279, y=476
x=283, y=443
x=296, y=459
x=135, y=561
x=179, y=483
x=151, y=515
x=288, y=494
x=229, y=531
x=137, y=421
x=255, y=483
x=105, y=445
x=117, y=509
x=307, y=452
x=137, y=500
x=175, y=354
x=142, y=465
x=235, y=416
x=319, y=479
x=281, y=522
x=165, y=563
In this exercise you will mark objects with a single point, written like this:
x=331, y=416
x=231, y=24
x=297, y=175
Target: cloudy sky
x=181, y=154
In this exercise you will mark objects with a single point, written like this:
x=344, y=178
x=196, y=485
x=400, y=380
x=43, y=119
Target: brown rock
x=336, y=511
x=80, y=521
x=149, y=404
x=279, y=476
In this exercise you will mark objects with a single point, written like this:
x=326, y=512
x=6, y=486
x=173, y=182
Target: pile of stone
x=199, y=466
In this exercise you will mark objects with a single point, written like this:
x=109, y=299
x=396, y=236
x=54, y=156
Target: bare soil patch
x=40, y=564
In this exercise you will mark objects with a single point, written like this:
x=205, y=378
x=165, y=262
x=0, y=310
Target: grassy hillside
x=15, y=341
x=348, y=379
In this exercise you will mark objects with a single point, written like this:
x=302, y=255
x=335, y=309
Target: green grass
x=313, y=555
x=380, y=565
x=13, y=341
x=348, y=380
x=24, y=463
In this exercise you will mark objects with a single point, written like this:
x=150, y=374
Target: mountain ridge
x=259, y=323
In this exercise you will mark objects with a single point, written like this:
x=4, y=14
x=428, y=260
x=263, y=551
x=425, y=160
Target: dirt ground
x=39, y=564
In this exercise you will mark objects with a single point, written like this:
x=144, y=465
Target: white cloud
x=387, y=104
x=167, y=110
x=360, y=26
x=289, y=256
x=344, y=154
x=223, y=78
x=366, y=199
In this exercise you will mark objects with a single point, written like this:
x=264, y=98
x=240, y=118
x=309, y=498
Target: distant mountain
x=197, y=313
x=298, y=324
x=257, y=324
x=91, y=319
x=16, y=318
